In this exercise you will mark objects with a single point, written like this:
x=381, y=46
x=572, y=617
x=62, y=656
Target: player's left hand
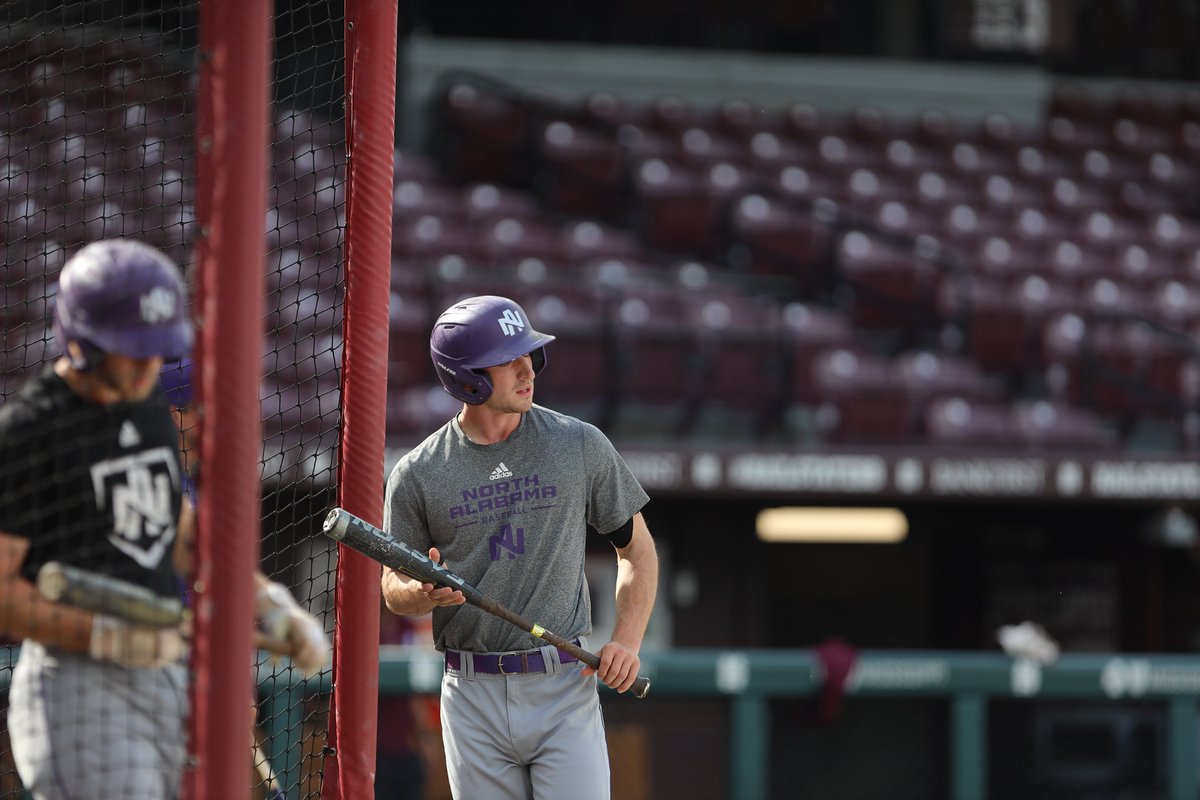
x=619, y=666
x=282, y=618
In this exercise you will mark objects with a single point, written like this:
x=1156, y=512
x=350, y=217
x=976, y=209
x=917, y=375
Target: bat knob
x=335, y=524
x=52, y=582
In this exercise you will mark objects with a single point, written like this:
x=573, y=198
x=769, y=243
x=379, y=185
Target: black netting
x=97, y=140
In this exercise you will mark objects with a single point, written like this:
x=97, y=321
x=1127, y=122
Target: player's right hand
x=136, y=646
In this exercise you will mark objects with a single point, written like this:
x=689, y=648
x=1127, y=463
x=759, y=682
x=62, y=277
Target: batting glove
x=283, y=619
x=136, y=646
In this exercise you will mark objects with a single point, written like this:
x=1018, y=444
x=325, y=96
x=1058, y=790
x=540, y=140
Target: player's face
x=130, y=378
x=512, y=386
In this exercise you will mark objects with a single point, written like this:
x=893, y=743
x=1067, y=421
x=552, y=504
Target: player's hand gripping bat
x=362, y=536
x=101, y=594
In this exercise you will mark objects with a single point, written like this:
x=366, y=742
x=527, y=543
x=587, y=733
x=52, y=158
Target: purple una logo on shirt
x=509, y=542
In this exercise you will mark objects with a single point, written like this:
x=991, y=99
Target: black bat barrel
x=376, y=545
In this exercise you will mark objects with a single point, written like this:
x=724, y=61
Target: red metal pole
x=370, y=125
x=231, y=169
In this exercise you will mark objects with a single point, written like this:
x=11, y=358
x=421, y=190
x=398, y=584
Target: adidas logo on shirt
x=128, y=437
x=499, y=472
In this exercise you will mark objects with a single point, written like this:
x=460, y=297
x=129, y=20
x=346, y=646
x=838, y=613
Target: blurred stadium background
x=940, y=256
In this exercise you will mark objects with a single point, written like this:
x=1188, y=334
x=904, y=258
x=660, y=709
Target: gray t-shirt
x=511, y=519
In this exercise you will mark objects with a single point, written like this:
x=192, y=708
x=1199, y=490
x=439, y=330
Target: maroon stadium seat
x=1134, y=265
x=1138, y=139
x=508, y=240
x=1075, y=101
x=907, y=157
x=580, y=171
x=804, y=122
x=588, y=240
x=768, y=154
x=936, y=191
x=483, y=134
x=428, y=237
x=958, y=422
x=774, y=238
x=1005, y=323
x=867, y=402
x=969, y=160
x=894, y=288
x=742, y=347
x=1175, y=303
x=580, y=370
x=700, y=148
x=415, y=197
x=682, y=211
x=1068, y=137
x=486, y=202
x=739, y=120
x=937, y=129
x=668, y=114
x=808, y=331
x=999, y=259
x=657, y=354
x=1049, y=425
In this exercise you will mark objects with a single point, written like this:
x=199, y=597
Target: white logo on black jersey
x=129, y=436
x=499, y=472
x=138, y=490
x=510, y=322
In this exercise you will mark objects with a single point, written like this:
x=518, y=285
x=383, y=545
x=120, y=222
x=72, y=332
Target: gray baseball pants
x=522, y=737
x=85, y=730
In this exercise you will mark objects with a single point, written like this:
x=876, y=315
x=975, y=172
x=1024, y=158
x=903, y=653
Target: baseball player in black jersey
x=90, y=475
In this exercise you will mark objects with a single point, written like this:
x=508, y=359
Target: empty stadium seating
x=717, y=256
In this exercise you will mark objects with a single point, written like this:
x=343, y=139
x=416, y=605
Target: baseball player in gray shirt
x=503, y=494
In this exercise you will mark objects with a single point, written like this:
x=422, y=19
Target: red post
x=231, y=168
x=370, y=126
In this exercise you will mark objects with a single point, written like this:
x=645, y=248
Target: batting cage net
x=119, y=125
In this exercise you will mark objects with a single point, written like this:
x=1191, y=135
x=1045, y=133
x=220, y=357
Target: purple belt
x=518, y=663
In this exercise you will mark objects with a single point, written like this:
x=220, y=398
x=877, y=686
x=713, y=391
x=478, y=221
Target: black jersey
x=96, y=486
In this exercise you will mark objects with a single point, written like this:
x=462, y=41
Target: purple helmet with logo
x=482, y=332
x=124, y=297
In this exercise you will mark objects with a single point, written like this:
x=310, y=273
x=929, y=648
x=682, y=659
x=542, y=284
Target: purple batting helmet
x=482, y=332
x=125, y=297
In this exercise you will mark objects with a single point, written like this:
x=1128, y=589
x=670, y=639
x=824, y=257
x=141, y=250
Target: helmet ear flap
x=538, y=359
x=477, y=391
x=84, y=355
x=88, y=356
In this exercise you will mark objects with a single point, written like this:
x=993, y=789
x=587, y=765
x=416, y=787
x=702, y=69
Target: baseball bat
x=362, y=536
x=266, y=774
x=102, y=594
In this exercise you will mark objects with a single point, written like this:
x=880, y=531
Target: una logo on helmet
x=157, y=305
x=510, y=322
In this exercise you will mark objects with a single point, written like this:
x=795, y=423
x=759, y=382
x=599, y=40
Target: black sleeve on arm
x=622, y=536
